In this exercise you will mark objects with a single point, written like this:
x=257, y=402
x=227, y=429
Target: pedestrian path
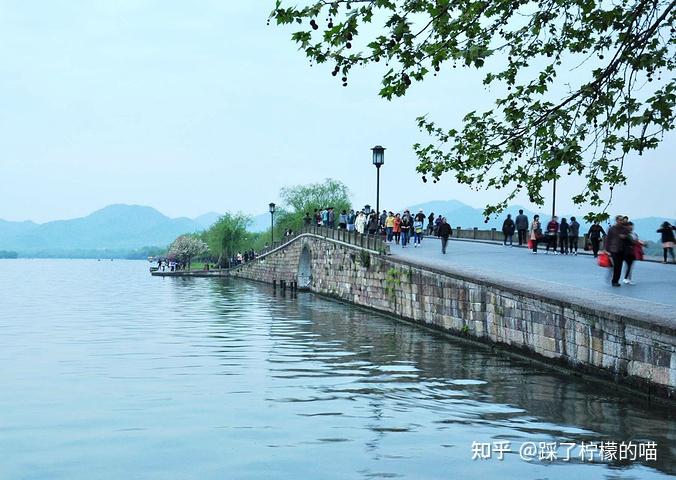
x=562, y=275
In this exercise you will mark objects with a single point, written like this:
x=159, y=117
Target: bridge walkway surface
x=576, y=279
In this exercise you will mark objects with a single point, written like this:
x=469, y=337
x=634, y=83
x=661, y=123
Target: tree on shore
x=299, y=199
x=187, y=247
x=620, y=100
x=227, y=236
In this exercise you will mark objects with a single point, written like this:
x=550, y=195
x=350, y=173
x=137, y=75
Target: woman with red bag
x=616, y=242
x=535, y=234
x=633, y=252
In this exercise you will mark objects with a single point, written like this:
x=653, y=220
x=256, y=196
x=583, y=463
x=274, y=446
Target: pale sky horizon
x=191, y=109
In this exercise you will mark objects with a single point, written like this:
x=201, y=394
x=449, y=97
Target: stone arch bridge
x=630, y=348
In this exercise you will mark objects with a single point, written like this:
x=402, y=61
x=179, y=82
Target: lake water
x=108, y=373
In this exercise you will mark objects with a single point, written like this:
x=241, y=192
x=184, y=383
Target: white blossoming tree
x=186, y=247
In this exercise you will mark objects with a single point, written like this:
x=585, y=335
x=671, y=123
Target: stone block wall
x=630, y=351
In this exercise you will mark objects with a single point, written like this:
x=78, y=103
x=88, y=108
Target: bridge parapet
x=495, y=235
x=372, y=243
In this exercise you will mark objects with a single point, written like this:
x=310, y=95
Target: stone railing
x=374, y=243
x=495, y=235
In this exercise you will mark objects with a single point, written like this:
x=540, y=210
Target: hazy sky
x=196, y=106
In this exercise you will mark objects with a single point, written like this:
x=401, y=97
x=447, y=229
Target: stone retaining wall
x=628, y=350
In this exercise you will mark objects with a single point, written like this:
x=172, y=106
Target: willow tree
x=301, y=199
x=619, y=100
x=227, y=236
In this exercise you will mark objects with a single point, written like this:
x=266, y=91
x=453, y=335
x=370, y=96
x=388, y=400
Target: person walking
x=521, y=222
x=396, y=228
x=331, y=217
x=615, y=245
x=373, y=223
x=633, y=251
x=382, y=220
x=307, y=220
x=360, y=223
x=318, y=217
x=418, y=226
x=564, y=229
x=430, y=224
x=406, y=224
x=437, y=222
x=342, y=220
x=551, y=234
x=668, y=240
x=595, y=233
x=444, y=232
x=573, y=235
x=389, y=226
x=350, y=221
x=508, y=227
x=535, y=233
x=420, y=216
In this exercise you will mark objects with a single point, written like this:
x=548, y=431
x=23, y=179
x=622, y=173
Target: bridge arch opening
x=305, y=269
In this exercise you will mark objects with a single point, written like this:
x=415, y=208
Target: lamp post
x=272, y=223
x=378, y=161
x=554, y=199
x=555, y=152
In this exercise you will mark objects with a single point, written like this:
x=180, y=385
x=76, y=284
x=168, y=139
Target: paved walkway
x=577, y=277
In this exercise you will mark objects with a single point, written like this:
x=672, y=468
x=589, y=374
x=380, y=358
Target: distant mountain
x=462, y=215
x=208, y=219
x=115, y=228
x=260, y=223
x=9, y=230
x=136, y=231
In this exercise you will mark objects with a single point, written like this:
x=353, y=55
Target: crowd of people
x=620, y=244
x=623, y=246
x=165, y=264
x=402, y=229
x=559, y=237
x=241, y=258
x=563, y=235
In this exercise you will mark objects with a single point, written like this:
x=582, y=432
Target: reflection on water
x=108, y=373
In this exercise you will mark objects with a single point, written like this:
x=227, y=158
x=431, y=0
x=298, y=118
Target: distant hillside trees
x=144, y=253
x=8, y=254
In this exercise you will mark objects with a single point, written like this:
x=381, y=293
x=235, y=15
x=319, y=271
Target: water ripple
x=108, y=370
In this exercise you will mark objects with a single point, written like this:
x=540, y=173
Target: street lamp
x=378, y=161
x=272, y=223
x=554, y=152
x=554, y=198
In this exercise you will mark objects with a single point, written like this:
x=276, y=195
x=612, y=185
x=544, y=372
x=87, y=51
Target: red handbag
x=530, y=244
x=604, y=260
x=638, y=251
